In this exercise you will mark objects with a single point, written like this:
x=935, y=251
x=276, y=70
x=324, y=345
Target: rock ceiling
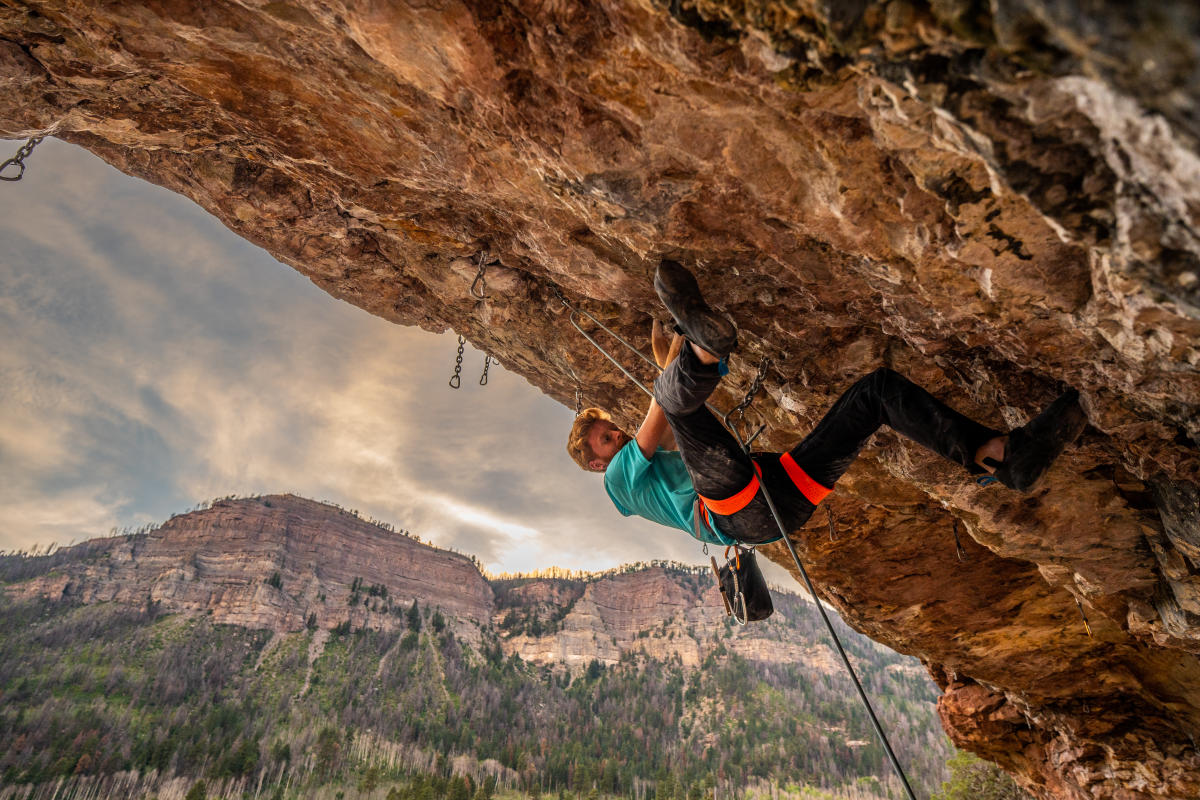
x=996, y=199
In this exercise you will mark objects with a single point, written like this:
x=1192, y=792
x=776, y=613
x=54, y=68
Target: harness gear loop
x=18, y=160
x=480, y=279
x=456, y=378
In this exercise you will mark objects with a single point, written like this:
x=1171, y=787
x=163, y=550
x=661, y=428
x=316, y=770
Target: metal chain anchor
x=19, y=159
x=487, y=360
x=740, y=409
x=456, y=378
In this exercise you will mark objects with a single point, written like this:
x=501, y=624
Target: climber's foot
x=1032, y=448
x=704, y=327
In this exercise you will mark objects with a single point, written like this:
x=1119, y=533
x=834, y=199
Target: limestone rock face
x=996, y=199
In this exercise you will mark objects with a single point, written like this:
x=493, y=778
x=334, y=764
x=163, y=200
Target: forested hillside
x=108, y=690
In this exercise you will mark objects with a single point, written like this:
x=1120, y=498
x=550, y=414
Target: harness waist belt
x=813, y=491
x=732, y=505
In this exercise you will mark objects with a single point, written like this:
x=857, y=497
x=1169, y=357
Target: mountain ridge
x=201, y=648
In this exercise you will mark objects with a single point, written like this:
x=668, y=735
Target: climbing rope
x=740, y=410
x=787, y=540
x=19, y=159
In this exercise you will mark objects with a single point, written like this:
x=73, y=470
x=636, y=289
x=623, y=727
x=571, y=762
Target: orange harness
x=812, y=490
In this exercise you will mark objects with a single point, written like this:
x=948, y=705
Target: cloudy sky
x=151, y=359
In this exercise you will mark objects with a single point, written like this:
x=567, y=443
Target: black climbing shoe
x=1032, y=448
x=679, y=292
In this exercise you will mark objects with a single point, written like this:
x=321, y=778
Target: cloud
x=153, y=360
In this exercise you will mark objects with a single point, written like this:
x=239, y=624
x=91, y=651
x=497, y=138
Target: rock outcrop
x=284, y=563
x=657, y=612
x=279, y=562
x=995, y=199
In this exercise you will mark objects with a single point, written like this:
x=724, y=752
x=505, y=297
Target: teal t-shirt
x=658, y=489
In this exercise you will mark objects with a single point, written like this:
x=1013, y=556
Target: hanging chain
x=733, y=420
x=456, y=378
x=19, y=159
x=487, y=360
x=755, y=386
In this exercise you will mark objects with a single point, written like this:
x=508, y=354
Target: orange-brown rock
x=997, y=199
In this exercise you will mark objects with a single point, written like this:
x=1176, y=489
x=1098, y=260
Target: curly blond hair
x=577, y=446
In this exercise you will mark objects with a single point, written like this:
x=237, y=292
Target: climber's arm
x=654, y=431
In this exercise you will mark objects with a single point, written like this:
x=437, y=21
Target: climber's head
x=594, y=439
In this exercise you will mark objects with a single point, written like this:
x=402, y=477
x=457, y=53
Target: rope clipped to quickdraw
x=1086, y=626
x=18, y=160
x=962, y=554
x=740, y=409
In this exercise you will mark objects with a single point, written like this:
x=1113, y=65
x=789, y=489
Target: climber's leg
x=887, y=398
x=711, y=454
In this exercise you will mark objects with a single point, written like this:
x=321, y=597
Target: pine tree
x=414, y=618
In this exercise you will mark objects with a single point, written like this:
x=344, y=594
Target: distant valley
x=281, y=647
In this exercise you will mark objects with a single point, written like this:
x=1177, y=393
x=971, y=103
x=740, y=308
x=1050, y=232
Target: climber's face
x=604, y=440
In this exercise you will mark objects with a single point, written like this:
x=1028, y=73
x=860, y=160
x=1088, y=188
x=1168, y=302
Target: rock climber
x=708, y=488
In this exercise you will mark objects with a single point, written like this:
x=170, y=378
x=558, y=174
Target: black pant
x=719, y=469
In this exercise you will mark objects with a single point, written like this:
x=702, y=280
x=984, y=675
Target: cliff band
x=995, y=199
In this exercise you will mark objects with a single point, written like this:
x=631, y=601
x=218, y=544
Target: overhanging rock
x=995, y=199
